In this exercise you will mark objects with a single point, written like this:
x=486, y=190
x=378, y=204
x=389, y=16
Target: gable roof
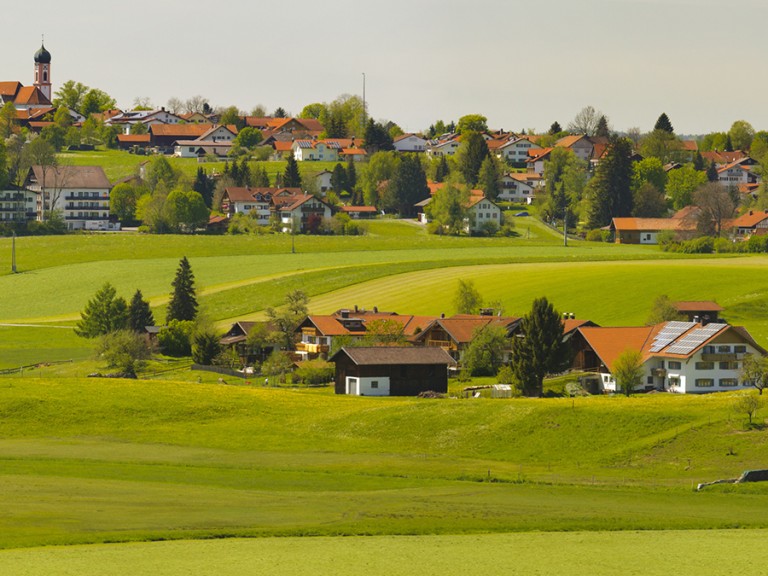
x=66, y=177
x=248, y=194
x=461, y=327
x=698, y=306
x=395, y=355
x=8, y=90
x=31, y=96
x=750, y=219
x=652, y=224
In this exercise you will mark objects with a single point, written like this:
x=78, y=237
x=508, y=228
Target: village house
x=236, y=338
x=483, y=212
x=517, y=151
x=647, y=230
x=38, y=95
x=391, y=371
x=752, y=222
x=315, y=335
x=300, y=212
x=678, y=357
x=258, y=202
x=166, y=135
x=699, y=310
x=410, y=143
x=520, y=187
x=79, y=193
x=737, y=174
x=580, y=144
x=454, y=334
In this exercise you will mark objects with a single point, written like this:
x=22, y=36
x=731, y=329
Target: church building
x=31, y=97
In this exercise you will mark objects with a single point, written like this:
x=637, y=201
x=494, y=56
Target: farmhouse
x=646, y=230
x=679, y=357
x=391, y=371
x=454, y=334
x=315, y=335
x=753, y=222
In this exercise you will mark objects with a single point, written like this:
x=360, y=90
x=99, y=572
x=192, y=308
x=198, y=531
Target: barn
x=391, y=370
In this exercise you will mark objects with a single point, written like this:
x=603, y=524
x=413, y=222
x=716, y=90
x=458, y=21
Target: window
x=674, y=365
x=374, y=384
x=705, y=382
x=740, y=349
x=729, y=365
x=649, y=379
x=708, y=350
x=674, y=382
x=724, y=349
x=705, y=365
x=728, y=382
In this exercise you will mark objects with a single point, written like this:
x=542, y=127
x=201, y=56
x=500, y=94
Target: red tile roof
x=652, y=224
x=750, y=219
x=698, y=306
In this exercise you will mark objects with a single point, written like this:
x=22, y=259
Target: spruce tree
x=442, y=170
x=339, y=179
x=664, y=124
x=470, y=156
x=541, y=349
x=728, y=144
x=555, y=128
x=291, y=176
x=204, y=187
x=351, y=175
x=260, y=178
x=245, y=172
x=712, y=174
x=611, y=187
x=139, y=313
x=489, y=179
x=698, y=162
x=183, y=304
x=603, y=130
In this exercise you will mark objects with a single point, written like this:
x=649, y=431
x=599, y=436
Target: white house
x=79, y=193
x=679, y=357
x=410, y=143
x=301, y=212
x=323, y=181
x=735, y=174
x=447, y=147
x=517, y=151
x=482, y=211
x=258, y=202
x=580, y=144
x=315, y=150
x=17, y=205
x=520, y=188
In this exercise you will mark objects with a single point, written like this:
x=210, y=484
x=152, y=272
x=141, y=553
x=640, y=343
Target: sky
x=521, y=64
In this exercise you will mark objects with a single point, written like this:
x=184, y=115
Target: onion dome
x=42, y=56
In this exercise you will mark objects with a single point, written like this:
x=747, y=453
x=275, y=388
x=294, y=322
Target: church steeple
x=43, y=71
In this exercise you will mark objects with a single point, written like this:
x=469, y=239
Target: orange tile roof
x=282, y=146
x=750, y=219
x=570, y=140
x=461, y=327
x=136, y=138
x=31, y=95
x=609, y=343
x=9, y=90
x=652, y=224
x=182, y=131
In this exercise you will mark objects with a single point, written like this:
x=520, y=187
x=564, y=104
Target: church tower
x=43, y=71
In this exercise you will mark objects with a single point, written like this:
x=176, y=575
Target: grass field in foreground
x=98, y=460
x=690, y=553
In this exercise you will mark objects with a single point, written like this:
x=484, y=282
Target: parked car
x=523, y=213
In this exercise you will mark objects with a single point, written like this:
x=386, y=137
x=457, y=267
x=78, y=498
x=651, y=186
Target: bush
x=597, y=235
x=205, y=347
x=315, y=372
x=278, y=364
x=176, y=338
x=757, y=244
x=123, y=349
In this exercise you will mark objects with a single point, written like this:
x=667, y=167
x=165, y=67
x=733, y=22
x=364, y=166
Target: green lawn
x=98, y=460
x=119, y=164
x=691, y=553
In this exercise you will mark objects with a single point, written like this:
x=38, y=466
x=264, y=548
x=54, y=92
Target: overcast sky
x=523, y=64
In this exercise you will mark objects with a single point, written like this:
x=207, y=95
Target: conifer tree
x=351, y=175
x=183, y=304
x=489, y=178
x=664, y=124
x=698, y=162
x=603, y=130
x=611, y=187
x=260, y=178
x=541, y=349
x=291, y=176
x=104, y=313
x=470, y=156
x=442, y=170
x=139, y=313
x=712, y=174
x=555, y=128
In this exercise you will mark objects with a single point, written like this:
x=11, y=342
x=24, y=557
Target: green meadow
x=99, y=460
x=465, y=485
x=691, y=553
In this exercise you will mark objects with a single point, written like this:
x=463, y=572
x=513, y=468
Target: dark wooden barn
x=391, y=371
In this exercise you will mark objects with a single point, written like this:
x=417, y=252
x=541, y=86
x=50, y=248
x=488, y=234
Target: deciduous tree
x=754, y=370
x=663, y=310
x=716, y=204
x=472, y=122
x=485, y=353
x=467, y=299
x=628, y=370
x=286, y=319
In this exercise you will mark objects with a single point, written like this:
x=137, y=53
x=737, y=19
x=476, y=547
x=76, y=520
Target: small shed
x=391, y=370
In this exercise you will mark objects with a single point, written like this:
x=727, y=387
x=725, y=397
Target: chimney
x=375, y=309
x=696, y=319
x=705, y=320
x=356, y=309
x=344, y=313
x=442, y=314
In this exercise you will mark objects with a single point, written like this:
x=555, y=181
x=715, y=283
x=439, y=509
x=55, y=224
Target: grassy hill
x=94, y=460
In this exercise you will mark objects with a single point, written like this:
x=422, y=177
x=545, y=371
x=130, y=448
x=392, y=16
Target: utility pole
x=365, y=112
x=13, y=253
x=565, y=226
